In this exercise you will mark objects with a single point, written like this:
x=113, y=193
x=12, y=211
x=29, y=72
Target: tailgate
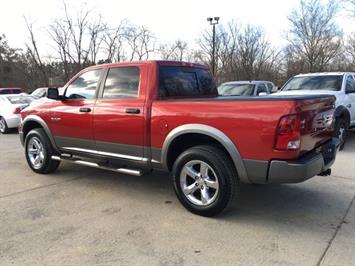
x=317, y=123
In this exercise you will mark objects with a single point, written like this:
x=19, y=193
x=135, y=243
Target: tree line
x=314, y=42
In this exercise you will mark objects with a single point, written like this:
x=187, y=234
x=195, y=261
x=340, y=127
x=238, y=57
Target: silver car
x=246, y=88
x=11, y=106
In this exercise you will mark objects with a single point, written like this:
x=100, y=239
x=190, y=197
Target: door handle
x=85, y=110
x=132, y=111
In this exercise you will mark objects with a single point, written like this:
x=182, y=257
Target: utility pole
x=213, y=22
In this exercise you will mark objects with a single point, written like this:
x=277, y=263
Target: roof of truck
x=159, y=62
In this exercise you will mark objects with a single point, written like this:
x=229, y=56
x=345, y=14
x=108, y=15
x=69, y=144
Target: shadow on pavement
x=350, y=140
x=255, y=204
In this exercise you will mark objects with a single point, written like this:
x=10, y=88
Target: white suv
x=339, y=84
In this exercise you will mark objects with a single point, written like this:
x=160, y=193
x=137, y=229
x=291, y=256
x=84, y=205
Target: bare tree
x=242, y=53
x=141, y=42
x=34, y=53
x=314, y=36
x=96, y=31
x=350, y=6
x=350, y=49
x=78, y=40
x=60, y=35
x=113, y=39
x=176, y=51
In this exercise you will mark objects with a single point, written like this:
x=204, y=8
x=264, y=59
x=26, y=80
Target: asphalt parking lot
x=81, y=215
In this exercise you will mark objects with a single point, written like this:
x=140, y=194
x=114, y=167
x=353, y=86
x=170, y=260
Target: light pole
x=213, y=22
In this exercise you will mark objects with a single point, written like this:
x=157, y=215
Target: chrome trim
x=116, y=155
x=211, y=132
x=95, y=165
x=56, y=158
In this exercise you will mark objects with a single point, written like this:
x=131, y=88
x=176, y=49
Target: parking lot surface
x=81, y=215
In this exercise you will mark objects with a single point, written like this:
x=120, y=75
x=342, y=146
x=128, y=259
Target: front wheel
x=39, y=151
x=340, y=131
x=205, y=180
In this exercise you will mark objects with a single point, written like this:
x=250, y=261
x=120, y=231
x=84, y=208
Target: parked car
x=40, y=92
x=11, y=106
x=11, y=90
x=135, y=117
x=41, y=95
x=339, y=84
x=245, y=88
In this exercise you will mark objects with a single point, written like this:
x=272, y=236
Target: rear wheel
x=340, y=131
x=39, y=152
x=3, y=126
x=205, y=180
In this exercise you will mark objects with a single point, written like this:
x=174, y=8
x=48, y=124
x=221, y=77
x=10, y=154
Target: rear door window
x=122, y=82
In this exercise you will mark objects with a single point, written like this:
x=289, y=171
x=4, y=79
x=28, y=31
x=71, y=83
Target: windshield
x=332, y=83
x=236, y=89
x=20, y=99
x=41, y=92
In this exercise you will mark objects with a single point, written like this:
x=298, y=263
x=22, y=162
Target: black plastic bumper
x=311, y=165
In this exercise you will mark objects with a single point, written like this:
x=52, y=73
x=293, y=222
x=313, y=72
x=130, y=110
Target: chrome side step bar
x=91, y=164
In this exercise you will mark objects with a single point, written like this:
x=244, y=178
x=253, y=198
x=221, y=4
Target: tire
x=39, y=151
x=211, y=192
x=340, y=131
x=3, y=126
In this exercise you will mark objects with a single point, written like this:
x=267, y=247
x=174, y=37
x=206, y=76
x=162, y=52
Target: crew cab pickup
x=135, y=117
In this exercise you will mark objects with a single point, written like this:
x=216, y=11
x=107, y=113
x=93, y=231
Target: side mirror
x=53, y=93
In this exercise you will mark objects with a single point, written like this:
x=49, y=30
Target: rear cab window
x=185, y=82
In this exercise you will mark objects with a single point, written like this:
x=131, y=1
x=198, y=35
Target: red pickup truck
x=135, y=117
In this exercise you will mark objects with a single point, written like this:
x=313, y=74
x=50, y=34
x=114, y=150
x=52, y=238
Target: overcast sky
x=168, y=19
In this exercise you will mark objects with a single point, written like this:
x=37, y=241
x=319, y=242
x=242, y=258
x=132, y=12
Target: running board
x=91, y=164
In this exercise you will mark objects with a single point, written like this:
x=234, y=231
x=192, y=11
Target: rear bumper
x=311, y=165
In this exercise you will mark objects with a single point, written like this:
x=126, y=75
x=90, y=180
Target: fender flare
x=212, y=132
x=39, y=120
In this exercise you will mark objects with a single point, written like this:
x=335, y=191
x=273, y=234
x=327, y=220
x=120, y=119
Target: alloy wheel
x=199, y=183
x=35, y=152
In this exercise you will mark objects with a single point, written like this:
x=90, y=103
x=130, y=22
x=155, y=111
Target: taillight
x=17, y=110
x=288, y=134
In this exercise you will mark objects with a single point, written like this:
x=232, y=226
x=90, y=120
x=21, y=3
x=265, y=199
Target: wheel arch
x=32, y=122
x=207, y=133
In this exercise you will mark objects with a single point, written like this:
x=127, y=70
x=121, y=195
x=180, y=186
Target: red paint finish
x=250, y=124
